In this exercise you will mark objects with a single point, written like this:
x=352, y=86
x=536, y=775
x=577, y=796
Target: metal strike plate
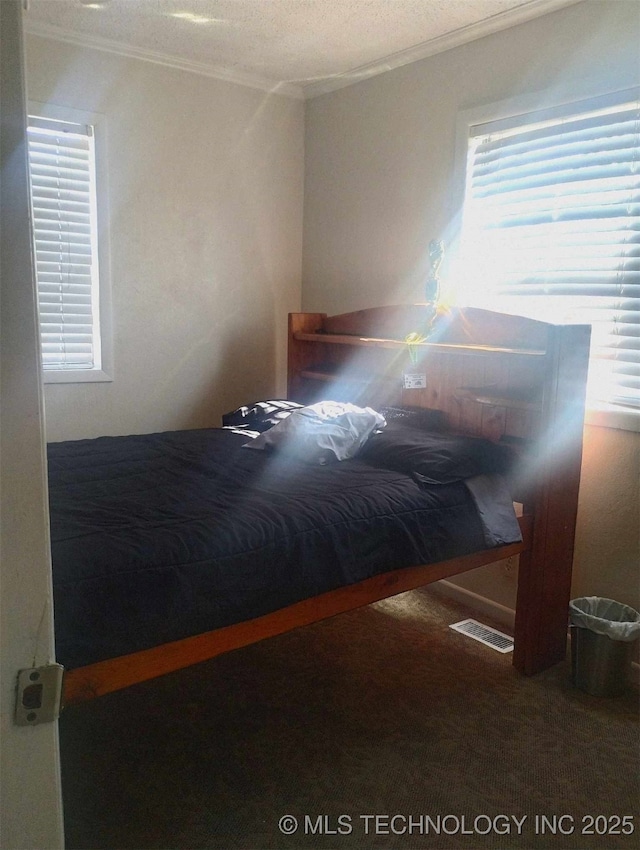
x=39, y=695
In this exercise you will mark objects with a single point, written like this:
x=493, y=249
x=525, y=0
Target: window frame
x=103, y=372
x=515, y=110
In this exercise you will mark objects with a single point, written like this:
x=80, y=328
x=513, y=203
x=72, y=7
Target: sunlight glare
x=192, y=18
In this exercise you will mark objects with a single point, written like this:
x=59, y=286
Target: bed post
x=544, y=583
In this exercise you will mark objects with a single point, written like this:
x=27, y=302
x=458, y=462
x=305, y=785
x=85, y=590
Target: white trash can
x=602, y=637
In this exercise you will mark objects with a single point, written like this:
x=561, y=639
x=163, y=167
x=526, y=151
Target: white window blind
x=551, y=229
x=62, y=166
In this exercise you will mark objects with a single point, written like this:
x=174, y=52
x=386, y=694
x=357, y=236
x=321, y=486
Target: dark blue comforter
x=163, y=536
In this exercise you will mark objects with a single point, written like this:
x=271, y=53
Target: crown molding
x=300, y=91
x=203, y=68
x=456, y=38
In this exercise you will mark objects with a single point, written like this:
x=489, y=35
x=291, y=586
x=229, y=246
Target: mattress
x=159, y=537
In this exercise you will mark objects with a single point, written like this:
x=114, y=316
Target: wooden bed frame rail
x=116, y=673
x=492, y=375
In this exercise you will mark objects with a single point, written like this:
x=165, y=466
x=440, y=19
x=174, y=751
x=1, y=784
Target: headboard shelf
x=490, y=374
x=377, y=342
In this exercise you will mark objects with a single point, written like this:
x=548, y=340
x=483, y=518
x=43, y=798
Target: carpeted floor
x=383, y=711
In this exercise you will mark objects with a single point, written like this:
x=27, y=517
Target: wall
x=205, y=194
x=379, y=160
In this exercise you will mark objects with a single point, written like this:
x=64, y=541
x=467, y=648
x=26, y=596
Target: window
x=551, y=228
x=62, y=165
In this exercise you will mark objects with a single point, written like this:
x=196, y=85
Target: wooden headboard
x=493, y=375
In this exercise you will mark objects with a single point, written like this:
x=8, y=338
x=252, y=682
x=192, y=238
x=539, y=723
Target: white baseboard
x=497, y=612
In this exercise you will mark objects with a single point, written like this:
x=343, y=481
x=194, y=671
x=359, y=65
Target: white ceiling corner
x=297, y=48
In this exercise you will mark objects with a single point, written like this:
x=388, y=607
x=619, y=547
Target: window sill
x=76, y=376
x=613, y=416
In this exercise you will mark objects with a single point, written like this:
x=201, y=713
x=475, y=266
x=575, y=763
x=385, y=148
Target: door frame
x=29, y=755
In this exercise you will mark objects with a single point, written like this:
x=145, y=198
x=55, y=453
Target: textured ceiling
x=301, y=42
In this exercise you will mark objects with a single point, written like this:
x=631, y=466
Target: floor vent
x=485, y=634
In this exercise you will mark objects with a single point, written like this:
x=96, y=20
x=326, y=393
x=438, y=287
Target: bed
x=169, y=549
